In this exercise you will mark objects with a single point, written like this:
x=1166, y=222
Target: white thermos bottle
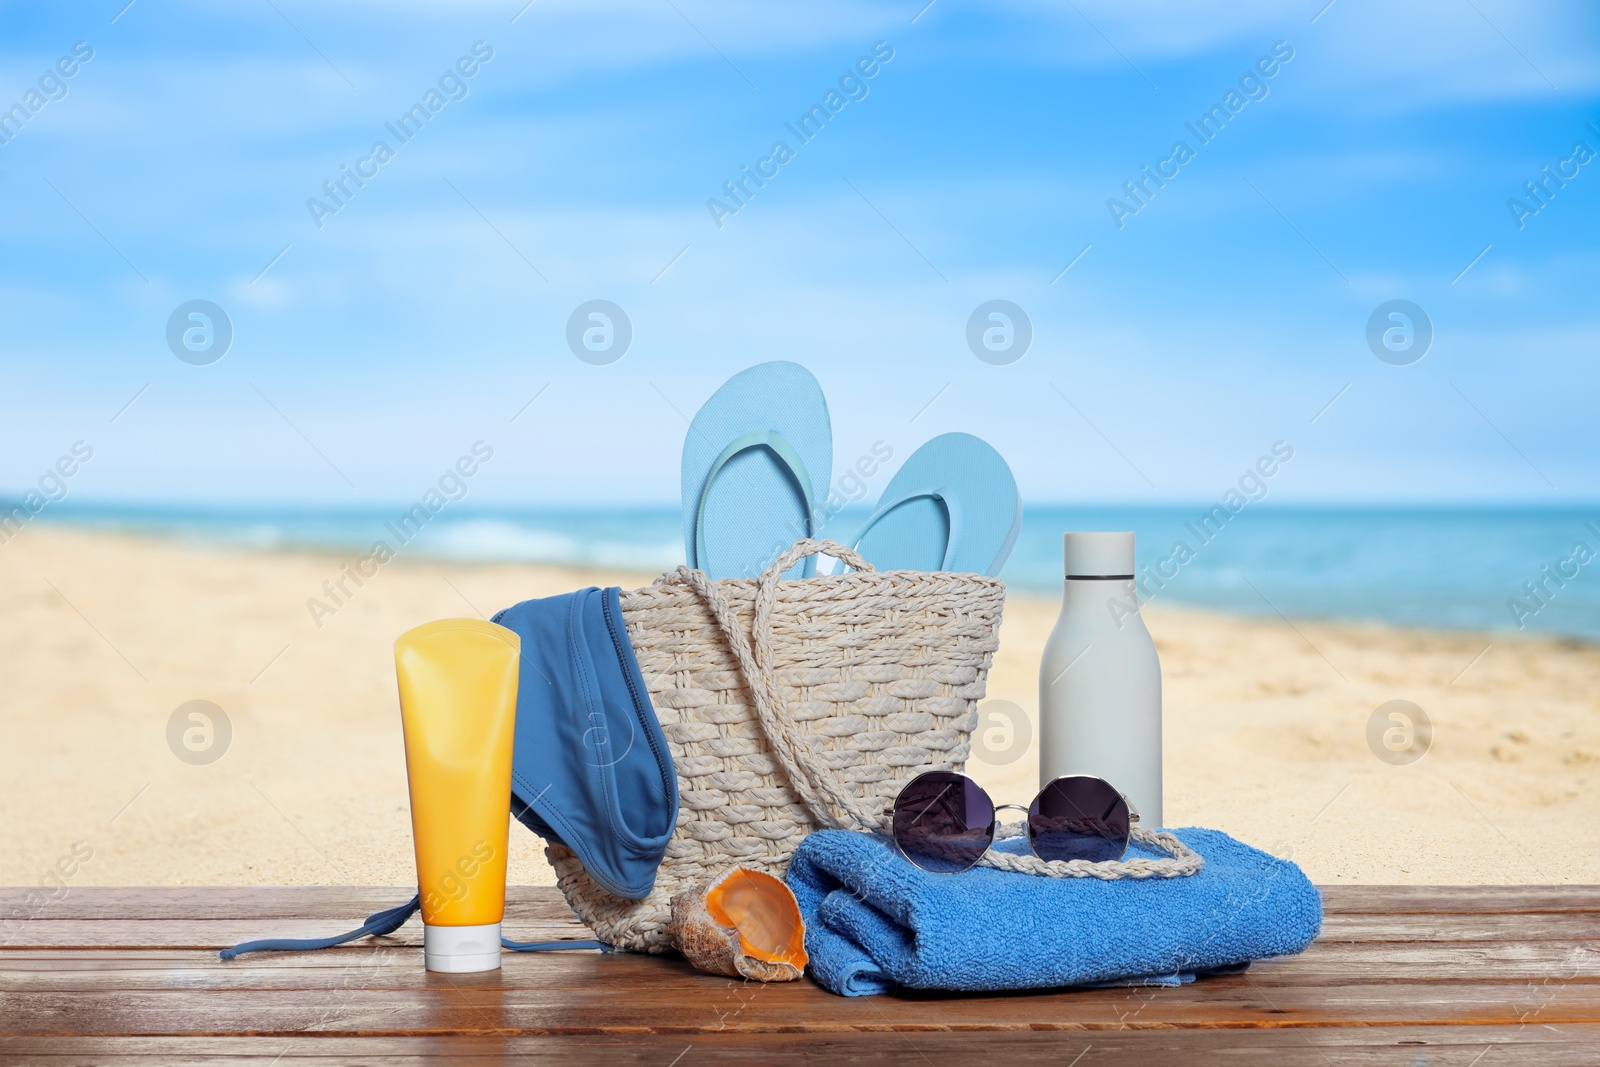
x=1100, y=680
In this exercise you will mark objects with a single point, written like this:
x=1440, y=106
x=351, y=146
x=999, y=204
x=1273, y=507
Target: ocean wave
x=488, y=540
x=1464, y=567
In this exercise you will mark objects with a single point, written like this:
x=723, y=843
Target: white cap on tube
x=1098, y=555
x=458, y=949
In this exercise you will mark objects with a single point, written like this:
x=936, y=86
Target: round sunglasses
x=944, y=822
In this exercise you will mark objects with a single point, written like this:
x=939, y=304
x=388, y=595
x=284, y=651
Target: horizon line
x=458, y=506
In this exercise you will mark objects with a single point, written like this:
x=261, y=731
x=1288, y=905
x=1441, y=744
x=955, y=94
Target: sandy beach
x=105, y=635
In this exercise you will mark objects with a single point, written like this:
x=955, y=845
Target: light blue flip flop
x=952, y=506
x=756, y=465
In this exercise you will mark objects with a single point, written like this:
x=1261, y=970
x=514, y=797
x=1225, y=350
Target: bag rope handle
x=782, y=736
x=834, y=806
x=801, y=748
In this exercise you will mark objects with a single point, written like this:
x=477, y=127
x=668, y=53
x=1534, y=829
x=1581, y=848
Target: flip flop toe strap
x=787, y=454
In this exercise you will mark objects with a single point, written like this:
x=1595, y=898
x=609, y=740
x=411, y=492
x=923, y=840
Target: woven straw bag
x=791, y=706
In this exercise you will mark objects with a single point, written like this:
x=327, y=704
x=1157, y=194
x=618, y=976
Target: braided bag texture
x=791, y=706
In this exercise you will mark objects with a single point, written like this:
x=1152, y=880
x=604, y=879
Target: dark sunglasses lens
x=943, y=822
x=1078, y=818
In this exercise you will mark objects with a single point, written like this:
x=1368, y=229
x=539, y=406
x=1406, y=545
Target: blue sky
x=369, y=353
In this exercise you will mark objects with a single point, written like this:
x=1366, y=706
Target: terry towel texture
x=875, y=922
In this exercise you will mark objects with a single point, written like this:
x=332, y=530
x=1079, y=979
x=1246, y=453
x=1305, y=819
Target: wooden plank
x=352, y=903
x=1436, y=1046
x=1323, y=963
x=538, y=923
x=338, y=904
x=77, y=934
x=668, y=1003
x=117, y=974
x=1444, y=899
x=1482, y=926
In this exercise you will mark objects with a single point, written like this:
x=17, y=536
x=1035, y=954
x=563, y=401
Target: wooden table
x=1401, y=975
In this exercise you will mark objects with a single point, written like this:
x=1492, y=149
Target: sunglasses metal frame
x=994, y=824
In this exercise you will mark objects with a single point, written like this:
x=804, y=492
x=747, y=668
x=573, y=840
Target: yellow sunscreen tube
x=458, y=705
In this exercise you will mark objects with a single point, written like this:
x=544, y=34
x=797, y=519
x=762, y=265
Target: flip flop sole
x=910, y=537
x=953, y=505
x=756, y=464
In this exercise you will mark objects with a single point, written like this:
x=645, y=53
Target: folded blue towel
x=875, y=922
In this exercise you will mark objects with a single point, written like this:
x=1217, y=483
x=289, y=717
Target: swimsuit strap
x=387, y=922
x=377, y=924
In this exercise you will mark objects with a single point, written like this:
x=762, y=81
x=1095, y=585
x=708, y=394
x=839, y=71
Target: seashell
x=743, y=924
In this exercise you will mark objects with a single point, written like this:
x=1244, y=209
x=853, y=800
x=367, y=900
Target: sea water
x=1496, y=568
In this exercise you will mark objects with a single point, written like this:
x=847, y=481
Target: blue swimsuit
x=590, y=769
